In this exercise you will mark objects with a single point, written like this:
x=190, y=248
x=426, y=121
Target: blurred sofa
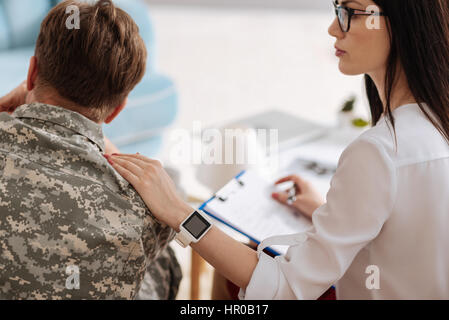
x=153, y=104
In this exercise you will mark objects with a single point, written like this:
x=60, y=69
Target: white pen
x=291, y=196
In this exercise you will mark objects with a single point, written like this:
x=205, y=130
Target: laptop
x=292, y=130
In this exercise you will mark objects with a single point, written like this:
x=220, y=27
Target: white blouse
x=384, y=231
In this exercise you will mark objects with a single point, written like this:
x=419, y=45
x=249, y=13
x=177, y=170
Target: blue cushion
x=149, y=148
x=24, y=19
x=152, y=106
x=4, y=29
x=14, y=67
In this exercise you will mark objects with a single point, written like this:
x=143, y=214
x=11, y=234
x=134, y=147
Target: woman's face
x=365, y=48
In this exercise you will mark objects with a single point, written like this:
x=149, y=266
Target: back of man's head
x=96, y=66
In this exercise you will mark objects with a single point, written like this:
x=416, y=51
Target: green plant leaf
x=349, y=104
x=360, y=123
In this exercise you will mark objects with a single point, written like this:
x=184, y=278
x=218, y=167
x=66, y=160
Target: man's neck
x=59, y=102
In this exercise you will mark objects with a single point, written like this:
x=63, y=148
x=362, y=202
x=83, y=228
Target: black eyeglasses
x=345, y=15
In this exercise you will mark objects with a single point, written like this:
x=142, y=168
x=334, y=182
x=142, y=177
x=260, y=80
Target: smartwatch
x=193, y=228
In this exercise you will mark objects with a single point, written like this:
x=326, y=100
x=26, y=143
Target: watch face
x=196, y=225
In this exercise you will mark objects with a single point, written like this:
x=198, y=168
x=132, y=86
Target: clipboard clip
x=224, y=198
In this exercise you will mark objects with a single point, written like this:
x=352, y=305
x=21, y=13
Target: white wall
x=288, y=4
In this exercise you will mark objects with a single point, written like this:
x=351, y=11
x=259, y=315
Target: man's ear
x=116, y=112
x=32, y=74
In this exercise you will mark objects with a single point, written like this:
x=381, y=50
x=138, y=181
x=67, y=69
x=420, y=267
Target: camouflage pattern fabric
x=64, y=209
x=162, y=279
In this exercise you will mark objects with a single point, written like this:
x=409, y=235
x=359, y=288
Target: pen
x=291, y=196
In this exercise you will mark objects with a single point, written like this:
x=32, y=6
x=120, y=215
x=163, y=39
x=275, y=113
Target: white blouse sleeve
x=359, y=202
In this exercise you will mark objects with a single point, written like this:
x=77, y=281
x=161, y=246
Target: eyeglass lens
x=343, y=18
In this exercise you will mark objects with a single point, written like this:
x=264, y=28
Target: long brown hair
x=419, y=33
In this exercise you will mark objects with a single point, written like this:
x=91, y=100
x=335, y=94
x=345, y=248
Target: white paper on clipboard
x=246, y=205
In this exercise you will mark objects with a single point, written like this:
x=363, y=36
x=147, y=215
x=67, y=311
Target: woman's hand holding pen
x=306, y=198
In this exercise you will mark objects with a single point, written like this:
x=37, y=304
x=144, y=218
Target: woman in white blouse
x=383, y=231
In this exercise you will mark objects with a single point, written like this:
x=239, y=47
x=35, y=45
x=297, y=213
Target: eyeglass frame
x=351, y=13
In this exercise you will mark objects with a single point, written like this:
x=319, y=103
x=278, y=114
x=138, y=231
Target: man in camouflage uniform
x=70, y=226
x=63, y=205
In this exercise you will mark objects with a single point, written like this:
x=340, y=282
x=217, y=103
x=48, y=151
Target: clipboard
x=245, y=205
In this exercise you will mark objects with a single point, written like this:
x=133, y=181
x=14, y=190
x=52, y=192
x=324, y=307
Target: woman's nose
x=335, y=30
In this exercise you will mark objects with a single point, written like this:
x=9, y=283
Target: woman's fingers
x=286, y=179
x=125, y=173
x=136, y=164
x=138, y=160
x=129, y=164
x=133, y=156
x=14, y=99
x=282, y=197
x=141, y=159
x=154, y=185
x=298, y=181
x=5, y=104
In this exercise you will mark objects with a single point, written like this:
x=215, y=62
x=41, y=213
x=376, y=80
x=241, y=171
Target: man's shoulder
x=7, y=121
x=14, y=131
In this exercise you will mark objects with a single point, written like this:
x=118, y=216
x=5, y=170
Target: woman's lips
x=339, y=52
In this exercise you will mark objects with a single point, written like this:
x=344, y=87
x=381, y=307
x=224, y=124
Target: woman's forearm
x=232, y=259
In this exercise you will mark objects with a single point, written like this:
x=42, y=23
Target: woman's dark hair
x=419, y=33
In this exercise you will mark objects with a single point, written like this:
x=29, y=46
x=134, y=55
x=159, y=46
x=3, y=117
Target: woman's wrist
x=183, y=211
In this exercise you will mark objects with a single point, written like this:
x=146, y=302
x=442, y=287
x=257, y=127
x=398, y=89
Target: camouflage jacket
x=66, y=214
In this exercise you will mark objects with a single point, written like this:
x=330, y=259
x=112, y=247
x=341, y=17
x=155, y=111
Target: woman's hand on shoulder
x=155, y=187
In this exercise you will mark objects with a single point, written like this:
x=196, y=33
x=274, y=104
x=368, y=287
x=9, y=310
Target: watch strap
x=183, y=239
